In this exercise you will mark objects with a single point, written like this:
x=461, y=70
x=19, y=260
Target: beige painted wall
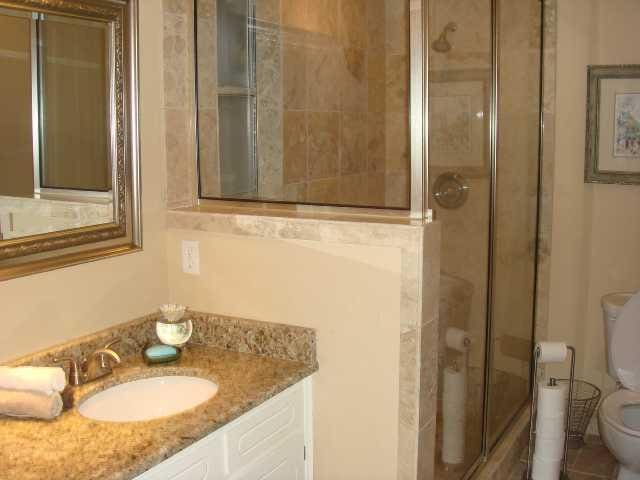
x=596, y=228
x=48, y=308
x=349, y=293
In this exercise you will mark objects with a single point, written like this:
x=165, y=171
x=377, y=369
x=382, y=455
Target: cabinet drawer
x=203, y=460
x=258, y=432
x=284, y=461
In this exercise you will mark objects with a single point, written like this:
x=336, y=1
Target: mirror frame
x=47, y=251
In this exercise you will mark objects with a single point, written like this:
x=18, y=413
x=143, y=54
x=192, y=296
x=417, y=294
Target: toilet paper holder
x=537, y=359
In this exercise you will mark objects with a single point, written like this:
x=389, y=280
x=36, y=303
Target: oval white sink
x=148, y=398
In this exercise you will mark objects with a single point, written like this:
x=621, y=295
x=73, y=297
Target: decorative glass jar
x=173, y=328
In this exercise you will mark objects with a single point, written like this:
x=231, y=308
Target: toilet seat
x=611, y=410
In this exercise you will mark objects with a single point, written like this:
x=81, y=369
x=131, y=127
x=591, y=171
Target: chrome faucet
x=99, y=364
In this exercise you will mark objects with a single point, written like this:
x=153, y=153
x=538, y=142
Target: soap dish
x=161, y=354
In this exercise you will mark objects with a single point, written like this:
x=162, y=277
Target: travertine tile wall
x=269, y=85
x=207, y=77
x=332, y=82
x=344, y=92
x=179, y=103
x=419, y=359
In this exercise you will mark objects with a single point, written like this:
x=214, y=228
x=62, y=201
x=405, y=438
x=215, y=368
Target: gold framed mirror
x=69, y=166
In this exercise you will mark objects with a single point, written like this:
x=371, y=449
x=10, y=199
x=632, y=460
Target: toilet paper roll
x=549, y=448
x=545, y=469
x=551, y=352
x=454, y=397
x=552, y=402
x=550, y=427
x=550, y=423
x=457, y=339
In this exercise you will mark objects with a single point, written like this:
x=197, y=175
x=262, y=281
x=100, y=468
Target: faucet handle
x=75, y=378
x=104, y=354
x=113, y=342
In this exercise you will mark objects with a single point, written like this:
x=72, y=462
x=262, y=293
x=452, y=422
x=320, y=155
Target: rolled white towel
x=22, y=403
x=46, y=380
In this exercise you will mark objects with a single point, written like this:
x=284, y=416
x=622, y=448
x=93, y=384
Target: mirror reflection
x=304, y=102
x=55, y=123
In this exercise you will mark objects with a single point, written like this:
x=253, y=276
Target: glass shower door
x=515, y=211
x=484, y=131
x=460, y=79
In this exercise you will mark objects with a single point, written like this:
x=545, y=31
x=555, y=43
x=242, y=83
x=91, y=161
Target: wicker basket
x=586, y=397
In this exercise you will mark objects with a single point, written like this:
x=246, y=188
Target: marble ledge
x=305, y=212
x=380, y=228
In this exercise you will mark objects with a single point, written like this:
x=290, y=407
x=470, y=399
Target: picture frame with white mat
x=613, y=125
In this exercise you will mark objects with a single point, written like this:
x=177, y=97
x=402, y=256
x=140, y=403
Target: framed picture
x=613, y=124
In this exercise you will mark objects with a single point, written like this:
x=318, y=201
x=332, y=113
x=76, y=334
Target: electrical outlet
x=191, y=257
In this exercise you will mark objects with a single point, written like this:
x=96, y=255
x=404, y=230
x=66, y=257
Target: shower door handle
x=451, y=190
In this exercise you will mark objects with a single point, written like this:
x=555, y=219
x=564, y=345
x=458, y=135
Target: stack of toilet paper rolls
x=550, y=432
x=454, y=398
x=550, y=419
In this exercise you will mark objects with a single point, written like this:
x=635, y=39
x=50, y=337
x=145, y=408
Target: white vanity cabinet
x=270, y=442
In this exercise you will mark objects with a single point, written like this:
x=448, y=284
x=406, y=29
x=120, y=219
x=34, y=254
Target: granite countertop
x=73, y=447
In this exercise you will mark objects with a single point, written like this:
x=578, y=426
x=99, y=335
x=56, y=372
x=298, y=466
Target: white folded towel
x=22, y=403
x=46, y=380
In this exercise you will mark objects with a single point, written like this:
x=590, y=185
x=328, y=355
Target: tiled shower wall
x=179, y=103
x=208, y=97
x=345, y=95
x=332, y=86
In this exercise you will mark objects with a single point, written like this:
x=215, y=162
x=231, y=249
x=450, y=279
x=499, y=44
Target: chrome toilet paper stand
x=534, y=400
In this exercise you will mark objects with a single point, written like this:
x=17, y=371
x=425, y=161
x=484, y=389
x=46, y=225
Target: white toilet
x=619, y=413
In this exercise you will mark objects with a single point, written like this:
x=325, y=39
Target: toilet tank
x=612, y=305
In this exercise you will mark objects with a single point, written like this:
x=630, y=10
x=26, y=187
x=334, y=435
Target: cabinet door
x=267, y=443
x=284, y=462
x=256, y=433
x=204, y=460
